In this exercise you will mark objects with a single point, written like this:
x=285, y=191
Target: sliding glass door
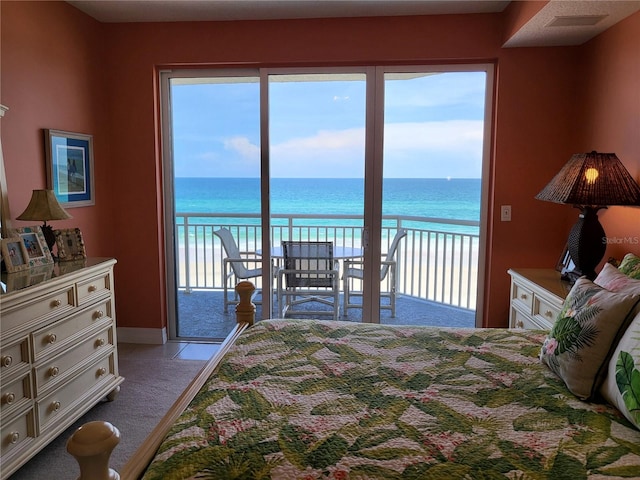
x=387, y=163
x=434, y=128
x=212, y=182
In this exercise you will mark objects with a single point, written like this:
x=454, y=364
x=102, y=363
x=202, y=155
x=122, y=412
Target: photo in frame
x=70, y=244
x=565, y=265
x=14, y=254
x=37, y=251
x=69, y=158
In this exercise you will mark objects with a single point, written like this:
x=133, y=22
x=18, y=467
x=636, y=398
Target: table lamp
x=44, y=206
x=590, y=182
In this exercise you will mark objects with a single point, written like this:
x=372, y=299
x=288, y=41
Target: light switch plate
x=505, y=213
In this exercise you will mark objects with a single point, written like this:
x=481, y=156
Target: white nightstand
x=537, y=296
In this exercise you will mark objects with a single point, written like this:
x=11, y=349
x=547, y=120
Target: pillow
x=614, y=280
x=621, y=388
x=585, y=334
x=630, y=265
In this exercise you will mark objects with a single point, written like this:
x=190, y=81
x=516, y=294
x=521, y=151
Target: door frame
x=373, y=172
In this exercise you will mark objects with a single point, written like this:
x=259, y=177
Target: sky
x=433, y=127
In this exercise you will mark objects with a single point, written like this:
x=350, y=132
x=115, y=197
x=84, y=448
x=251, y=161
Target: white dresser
x=58, y=353
x=537, y=296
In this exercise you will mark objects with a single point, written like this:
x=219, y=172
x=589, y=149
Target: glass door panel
x=215, y=147
x=433, y=158
x=316, y=159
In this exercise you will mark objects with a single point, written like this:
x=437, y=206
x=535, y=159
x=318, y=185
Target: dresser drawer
x=520, y=320
x=48, y=340
x=522, y=296
x=545, y=312
x=17, y=433
x=13, y=357
x=94, y=287
x=15, y=393
x=78, y=391
x=52, y=305
x=54, y=371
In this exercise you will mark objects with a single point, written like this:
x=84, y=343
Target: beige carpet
x=152, y=383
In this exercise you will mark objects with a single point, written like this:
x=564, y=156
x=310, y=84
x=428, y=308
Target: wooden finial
x=245, y=310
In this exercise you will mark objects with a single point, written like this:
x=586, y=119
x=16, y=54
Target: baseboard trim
x=154, y=336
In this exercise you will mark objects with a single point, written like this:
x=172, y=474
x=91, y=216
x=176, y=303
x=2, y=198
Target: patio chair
x=388, y=267
x=310, y=274
x=235, y=266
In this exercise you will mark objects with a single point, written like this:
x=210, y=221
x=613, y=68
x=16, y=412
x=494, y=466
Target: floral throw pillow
x=585, y=334
x=630, y=266
x=621, y=388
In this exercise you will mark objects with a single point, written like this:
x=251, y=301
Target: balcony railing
x=437, y=261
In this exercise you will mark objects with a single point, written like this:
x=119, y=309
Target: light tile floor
x=181, y=350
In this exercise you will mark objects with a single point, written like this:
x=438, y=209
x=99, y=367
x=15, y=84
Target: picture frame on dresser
x=38, y=252
x=14, y=254
x=69, y=159
x=70, y=244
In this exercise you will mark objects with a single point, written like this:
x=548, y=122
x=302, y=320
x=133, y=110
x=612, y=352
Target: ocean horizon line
x=336, y=178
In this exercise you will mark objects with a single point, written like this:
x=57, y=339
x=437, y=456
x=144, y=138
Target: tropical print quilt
x=306, y=399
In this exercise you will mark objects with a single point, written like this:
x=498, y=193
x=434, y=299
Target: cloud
x=411, y=149
x=242, y=146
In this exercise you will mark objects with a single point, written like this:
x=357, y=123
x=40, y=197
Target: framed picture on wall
x=69, y=158
x=36, y=246
x=14, y=254
x=70, y=244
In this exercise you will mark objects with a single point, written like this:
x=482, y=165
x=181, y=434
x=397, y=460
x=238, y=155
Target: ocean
x=455, y=199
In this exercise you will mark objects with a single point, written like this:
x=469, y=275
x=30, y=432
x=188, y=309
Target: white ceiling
x=541, y=30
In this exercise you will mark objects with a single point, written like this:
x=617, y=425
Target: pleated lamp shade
x=44, y=206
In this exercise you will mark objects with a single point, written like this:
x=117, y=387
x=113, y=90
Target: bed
x=313, y=399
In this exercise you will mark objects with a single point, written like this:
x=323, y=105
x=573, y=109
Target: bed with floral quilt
x=314, y=399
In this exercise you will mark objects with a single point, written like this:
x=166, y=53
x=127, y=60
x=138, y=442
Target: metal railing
x=437, y=261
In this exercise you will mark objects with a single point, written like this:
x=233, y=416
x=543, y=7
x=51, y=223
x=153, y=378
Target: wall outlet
x=505, y=213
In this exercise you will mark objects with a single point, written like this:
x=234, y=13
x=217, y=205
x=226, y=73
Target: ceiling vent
x=576, y=21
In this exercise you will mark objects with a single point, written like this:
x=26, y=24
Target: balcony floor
x=201, y=315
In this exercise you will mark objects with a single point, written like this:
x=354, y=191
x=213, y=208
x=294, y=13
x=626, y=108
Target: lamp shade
x=594, y=179
x=44, y=206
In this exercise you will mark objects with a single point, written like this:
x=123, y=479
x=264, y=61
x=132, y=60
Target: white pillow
x=615, y=281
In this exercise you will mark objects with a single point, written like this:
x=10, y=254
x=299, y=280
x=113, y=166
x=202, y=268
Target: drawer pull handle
x=7, y=360
x=548, y=313
x=102, y=371
x=54, y=371
x=92, y=288
x=100, y=342
x=51, y=338
x=56, y=303
x=8, y=398
x=55, y=406
x=98, y=314
x=14, y=437
x=523, y=296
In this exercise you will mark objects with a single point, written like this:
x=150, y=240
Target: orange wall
x=610, y=120
x=100, y=79
x=52, y=78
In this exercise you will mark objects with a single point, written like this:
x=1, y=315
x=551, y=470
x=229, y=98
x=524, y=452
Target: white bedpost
x=91, y=445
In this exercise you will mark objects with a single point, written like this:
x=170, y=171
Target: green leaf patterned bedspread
x=305, y=399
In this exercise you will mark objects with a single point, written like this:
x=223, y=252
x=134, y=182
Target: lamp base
x=586, y=243
x=49, y=237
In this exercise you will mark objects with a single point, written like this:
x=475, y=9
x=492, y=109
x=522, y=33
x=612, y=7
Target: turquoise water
x=428, y=197
x=455, y=199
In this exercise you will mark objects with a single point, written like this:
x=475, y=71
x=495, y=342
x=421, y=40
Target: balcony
x=436, y=263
